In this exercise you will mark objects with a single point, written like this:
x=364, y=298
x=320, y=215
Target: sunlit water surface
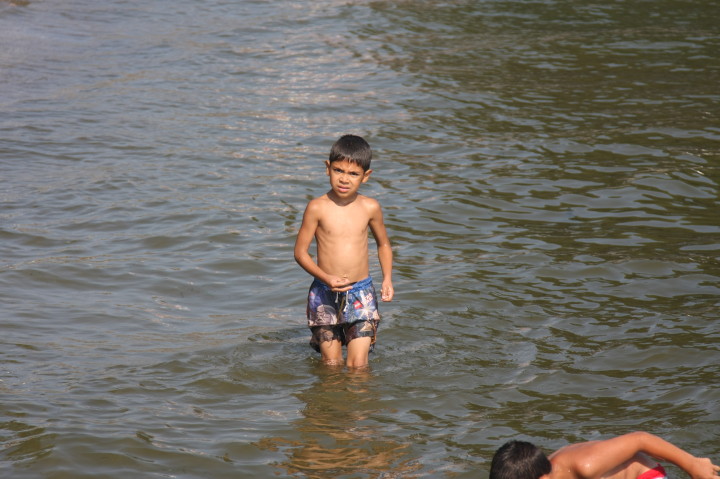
x=549, y=173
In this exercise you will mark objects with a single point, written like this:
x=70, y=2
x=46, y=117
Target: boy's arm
x=596, y=458
x=302, y=245
x=384, y=248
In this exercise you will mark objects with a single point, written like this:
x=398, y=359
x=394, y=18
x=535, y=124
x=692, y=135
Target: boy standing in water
x=622, y=457
x=342, y=305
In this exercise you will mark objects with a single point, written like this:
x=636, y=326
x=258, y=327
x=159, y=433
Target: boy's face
x=346, y=177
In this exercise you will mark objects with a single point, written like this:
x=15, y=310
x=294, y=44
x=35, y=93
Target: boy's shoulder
x=319, y=199
x=367, y=201
x=371, y=206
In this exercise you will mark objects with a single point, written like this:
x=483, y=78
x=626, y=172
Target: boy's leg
x=358, y=351
x=331, y=352
x=327, y=340
x=360, y=337
x=362, y=319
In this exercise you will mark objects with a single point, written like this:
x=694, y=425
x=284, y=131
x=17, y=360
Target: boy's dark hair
x=519, y=460
x=353, y=149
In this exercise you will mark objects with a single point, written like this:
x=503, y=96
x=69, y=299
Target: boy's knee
x=356, y=363
x=358, y=352
x=358, y=360
x=331, y=352
x=332, y=361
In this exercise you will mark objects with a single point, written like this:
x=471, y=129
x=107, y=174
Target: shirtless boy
x=623, y=457
x=342, y=304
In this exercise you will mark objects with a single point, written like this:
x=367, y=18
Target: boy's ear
x=327, y=167
x=366, y=176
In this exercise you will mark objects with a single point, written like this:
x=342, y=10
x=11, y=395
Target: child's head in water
x=519, y=460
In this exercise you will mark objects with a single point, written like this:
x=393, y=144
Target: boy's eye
x=351, y=173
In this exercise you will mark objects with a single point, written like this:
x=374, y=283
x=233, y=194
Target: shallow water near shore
x=549, y=174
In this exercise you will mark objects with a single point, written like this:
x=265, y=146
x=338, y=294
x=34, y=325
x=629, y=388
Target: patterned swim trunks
x=342, y=316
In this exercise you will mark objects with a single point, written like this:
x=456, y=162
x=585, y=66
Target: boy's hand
x=387, y=292
x=703, y=468
x=339, y=284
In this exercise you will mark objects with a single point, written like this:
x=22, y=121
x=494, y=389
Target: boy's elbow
x=642, y=437
x=639, y=435
x=384, y=245
x=301, y=257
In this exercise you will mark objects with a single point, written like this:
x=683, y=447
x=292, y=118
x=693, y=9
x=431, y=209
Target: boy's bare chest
x=344, y=223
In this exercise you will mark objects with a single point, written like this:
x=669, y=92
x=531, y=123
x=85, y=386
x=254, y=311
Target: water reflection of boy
x=342, y=306
x=339, y=435
x=622, y=457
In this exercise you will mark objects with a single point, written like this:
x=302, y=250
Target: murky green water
x=549, y=173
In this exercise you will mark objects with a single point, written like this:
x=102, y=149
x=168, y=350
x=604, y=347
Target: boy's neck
x=341, y=201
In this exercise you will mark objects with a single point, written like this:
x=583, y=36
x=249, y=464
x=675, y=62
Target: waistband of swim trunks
x=363, y=283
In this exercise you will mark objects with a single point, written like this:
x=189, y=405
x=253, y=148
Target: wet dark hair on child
x=519, y=460
x=353, y=149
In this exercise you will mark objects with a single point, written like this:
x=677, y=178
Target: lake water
x=550, y=177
